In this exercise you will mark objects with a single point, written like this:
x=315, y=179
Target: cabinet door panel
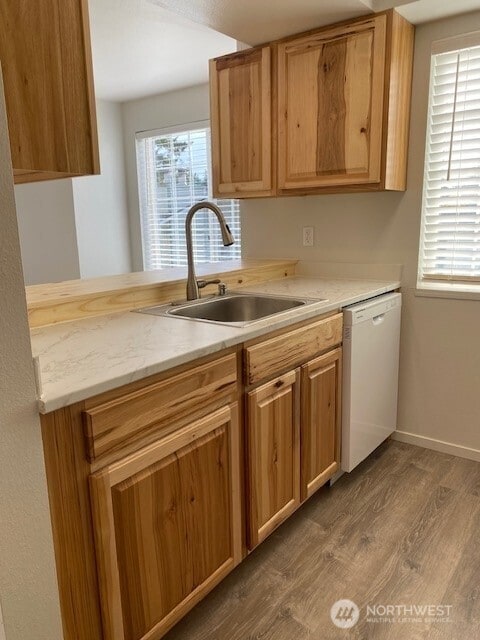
x=321, y=421
x=167, y=523
x=46, y=59
x=330, y=106
x=241, y=123
x=273, y=455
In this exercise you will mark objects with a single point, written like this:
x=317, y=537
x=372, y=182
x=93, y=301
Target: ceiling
x=256, y=21
x=144, y=47
x=141, y=49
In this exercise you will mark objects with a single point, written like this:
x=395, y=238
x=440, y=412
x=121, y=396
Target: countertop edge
x=245, y=334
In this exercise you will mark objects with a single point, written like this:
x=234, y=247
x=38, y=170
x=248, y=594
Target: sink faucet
x=193, y=285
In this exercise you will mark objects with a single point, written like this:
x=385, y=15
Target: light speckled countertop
x=79, y=359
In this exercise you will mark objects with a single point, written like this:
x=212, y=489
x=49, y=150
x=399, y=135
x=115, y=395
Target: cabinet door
x=240, y=99
x=321, y=421
x=47, y=70
x=167, y=526
x=330, y=106
x=273, y=443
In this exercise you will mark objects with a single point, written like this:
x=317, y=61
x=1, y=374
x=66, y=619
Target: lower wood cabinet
x=158, y=488
x=293, y=431
x=321, y=421
x=167, y=522
x=273, y=455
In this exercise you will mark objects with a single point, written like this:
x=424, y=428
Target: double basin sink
x=236, y=309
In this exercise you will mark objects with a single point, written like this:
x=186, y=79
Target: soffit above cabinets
x=254, y=22
x=428, y=10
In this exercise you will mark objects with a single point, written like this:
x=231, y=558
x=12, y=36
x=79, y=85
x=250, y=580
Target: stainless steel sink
x=233, y=309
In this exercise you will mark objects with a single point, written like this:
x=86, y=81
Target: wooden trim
x=342, y=25
x=319, y=481
x=236, y=487
x=339, y=398
x=160, y=629
x=90, y=89
x=108, y=575
x=67, y=475
x=75, y=299
x=267, y=78
x=225, y=189
x=239, y=58
x=398, y=100
x=214, y=121
x=378, y=122
x=291, y=348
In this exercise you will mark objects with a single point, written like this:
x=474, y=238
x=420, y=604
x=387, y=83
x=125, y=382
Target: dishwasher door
x=371, y=345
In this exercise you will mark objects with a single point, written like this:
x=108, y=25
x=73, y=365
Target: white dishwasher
x=371, y=344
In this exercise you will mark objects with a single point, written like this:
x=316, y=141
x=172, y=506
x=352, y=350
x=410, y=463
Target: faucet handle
x=222, y=289
x=201, y=284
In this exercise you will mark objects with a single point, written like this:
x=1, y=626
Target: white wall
x=440, y=359
x=79, y=228
x=100, y=203
x=157, y=112
x=48, y=237
x=28, y=589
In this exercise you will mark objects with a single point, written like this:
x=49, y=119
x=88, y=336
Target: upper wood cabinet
x=167, y=523
x=330, y=106
x=45, y=55
x=240, y=102
x=340, y=109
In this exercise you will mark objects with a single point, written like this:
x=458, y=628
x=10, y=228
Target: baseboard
x=437, y=445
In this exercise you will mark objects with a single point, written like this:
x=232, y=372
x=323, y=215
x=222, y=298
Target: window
x=173, y=174
x=450, y=233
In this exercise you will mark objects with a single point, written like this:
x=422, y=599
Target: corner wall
x=100, y=203
x=156, y=112
x=28, y=587
x=440, y=354
x=48, y=237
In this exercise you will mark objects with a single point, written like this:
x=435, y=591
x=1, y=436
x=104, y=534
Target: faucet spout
x=227, y=239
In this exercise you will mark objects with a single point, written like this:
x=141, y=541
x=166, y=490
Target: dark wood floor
x=403, y=528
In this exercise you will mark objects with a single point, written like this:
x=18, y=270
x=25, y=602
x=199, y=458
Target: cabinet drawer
x=110, y=425
x=290, y=349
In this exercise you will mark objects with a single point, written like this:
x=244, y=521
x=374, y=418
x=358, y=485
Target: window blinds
x=173, y=174
x=450, y=242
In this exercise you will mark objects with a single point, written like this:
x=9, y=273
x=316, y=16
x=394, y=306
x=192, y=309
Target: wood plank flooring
x=403, y=528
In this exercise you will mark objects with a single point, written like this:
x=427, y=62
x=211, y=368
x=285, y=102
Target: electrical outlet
x=308, y=236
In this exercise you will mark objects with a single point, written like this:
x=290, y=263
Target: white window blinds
x=173, y=174
x=450, y=240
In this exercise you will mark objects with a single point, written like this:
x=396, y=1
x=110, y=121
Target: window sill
x=455, y=291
